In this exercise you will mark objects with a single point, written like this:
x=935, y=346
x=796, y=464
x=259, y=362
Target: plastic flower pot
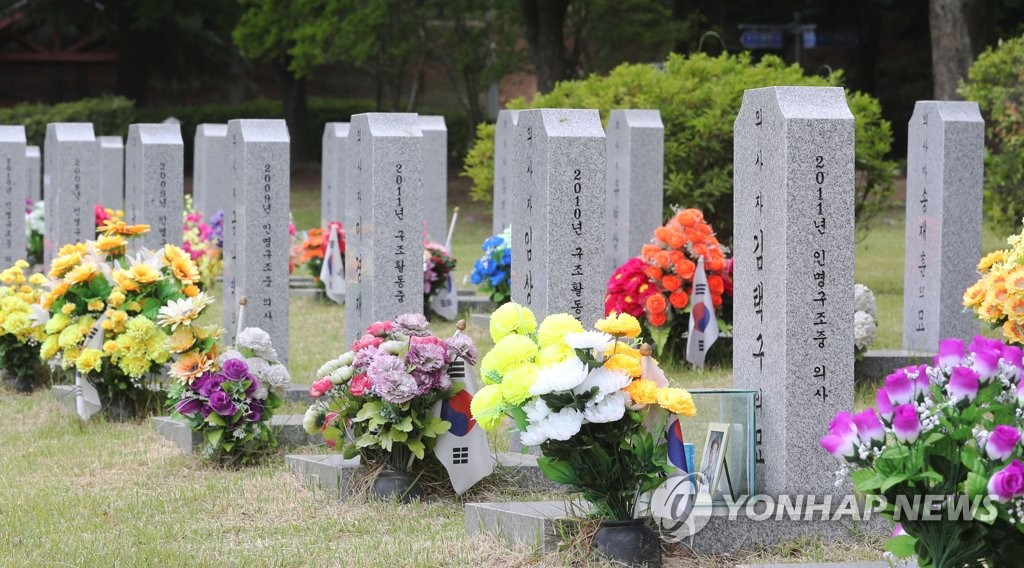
x=632, y=543
x=398, y=485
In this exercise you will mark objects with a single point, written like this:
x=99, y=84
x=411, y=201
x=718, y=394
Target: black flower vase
x=632, y=543
x=398, y=485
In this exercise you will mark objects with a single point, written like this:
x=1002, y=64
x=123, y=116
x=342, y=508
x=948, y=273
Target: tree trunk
x=953, y=47
x=132, y=63
x=293, y=95
x=545, y=21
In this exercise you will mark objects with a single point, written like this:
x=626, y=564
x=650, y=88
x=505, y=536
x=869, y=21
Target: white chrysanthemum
x=258, y=341
x=560, y=377
x=609, y=409
x=259, y=368
x=346, y=358
x=561, y=425
x=864, y=300
x=329, y=367
x=261, y=393
x=309, y=420
x=34, y=220
x=341, y=375
x=606, y=381
x=278, y=376
x=536, y=410
x=864, y=328
x=393, y=347
x=589, y=340
x=229, y=354
x=183, y=312
x=532, y=436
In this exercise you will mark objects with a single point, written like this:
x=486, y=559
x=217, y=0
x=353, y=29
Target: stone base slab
x=288, y=429
x=877, y=364
x=540, y=525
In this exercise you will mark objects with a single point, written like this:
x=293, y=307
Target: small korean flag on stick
x=87, y=400
x=332, y=272
x=703, y=324
x=463, y=449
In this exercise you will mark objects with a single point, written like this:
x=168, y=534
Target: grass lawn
x=100, y=494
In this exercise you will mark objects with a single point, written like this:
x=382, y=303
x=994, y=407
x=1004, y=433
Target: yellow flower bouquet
x=997, y=298
x=104, y=305
x=21, y=326
x=595, y=405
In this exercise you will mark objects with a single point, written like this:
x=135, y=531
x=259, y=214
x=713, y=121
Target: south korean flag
x=463, y=449
x=332, y=272
x=87, y=399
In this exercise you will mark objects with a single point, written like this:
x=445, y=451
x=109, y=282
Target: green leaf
x=405, y=425
x=977, y=485
x=557, y=470
x=901, y=546
x=216, y=419
x=435, y=427
x=367, y=440
x=214, y=436
x=369, y=411
x=870, y=481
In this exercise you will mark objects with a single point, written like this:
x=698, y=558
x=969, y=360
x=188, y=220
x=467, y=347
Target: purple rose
x=918, y=375
x=905, y=423
x=255, y=412
x=252, y=387
x=982, y=343
x=198, y=384
x=884, y=404
x=235, y=370
x=839, y=446
x=963, y=384
x=1014, y=357
x=951, y=353
x=206, y=411
x=211, y=385
x=1002, y=442
x=1007, y=483
x=901, y=390
x=189, y=406
x=869, y=427
x=842, y=425
x=222, y=404
x=986, y=363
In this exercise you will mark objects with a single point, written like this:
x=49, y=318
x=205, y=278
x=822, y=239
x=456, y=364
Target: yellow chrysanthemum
x=110, y=346
x=991, y=310
x=975, y=295
x=642, y=391
x=488, y=407
x=116, y=226
x=994, y=257
x=190, y=291
x=621, y=348
x=57, y=324
x=173, y=254
x=89, y=360
x=111, y=244
x=512, y=318
x=71, y=336
x=133, y=306
x=554, y=354
x=64, y=263
x=37, y=279
x=554, y=328
x=144, y=274
x=619, y=325
x=509, y=353
x=185, y=270
x=677, y=401
x=68, y=308
x=624, y=364
x=95, y=305
x=515, y=387
x=181, y=340
x=49, y=348
x=60, y=290
x=124, y=280
x=116, y=298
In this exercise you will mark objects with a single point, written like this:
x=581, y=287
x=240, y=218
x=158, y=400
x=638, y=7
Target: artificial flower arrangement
x=21, y=326
x=203, y=243
x=34, y=231
x=376, y=400
x=948, y=429
x=438, y=265
x=492, y=272
x=656, y=285
x=865, y=326
x=997, y=298
x=312, y=249
x=103, y=305
x=582, y=397
x=231, y=403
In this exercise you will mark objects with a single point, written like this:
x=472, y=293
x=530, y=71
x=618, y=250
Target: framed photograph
x=712, y=462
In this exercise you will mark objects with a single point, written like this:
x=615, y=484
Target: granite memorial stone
x=154, y=182
x=261, y=174
x=558, y=182
x=34, y=162
x=435, y=176
x=13, y=193
x=504, y=140
x=71, y=164
x=334, y=175
x=793, y=340
x=635, y=195
x=384, y=271
x=211, y=170
x=111, y=172
x=945, y=170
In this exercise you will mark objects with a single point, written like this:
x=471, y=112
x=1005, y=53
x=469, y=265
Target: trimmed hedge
x=699, y=97
x=110, y=116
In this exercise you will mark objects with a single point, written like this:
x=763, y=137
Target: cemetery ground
x=88, y=493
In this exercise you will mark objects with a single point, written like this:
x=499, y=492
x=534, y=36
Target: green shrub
x=699, y=97
x=110, y=116
x=994, y=82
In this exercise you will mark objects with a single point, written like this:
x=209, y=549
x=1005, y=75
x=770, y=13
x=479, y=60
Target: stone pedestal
x=288, y=429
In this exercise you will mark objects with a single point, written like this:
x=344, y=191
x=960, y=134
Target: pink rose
x=320, y=387
x=1007, y=483
x=367, y=341
x=380, y=329
x=359, y=385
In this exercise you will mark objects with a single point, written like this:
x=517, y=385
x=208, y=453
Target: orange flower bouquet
x=313, y=249
x=656, y=285
x=997, y=298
